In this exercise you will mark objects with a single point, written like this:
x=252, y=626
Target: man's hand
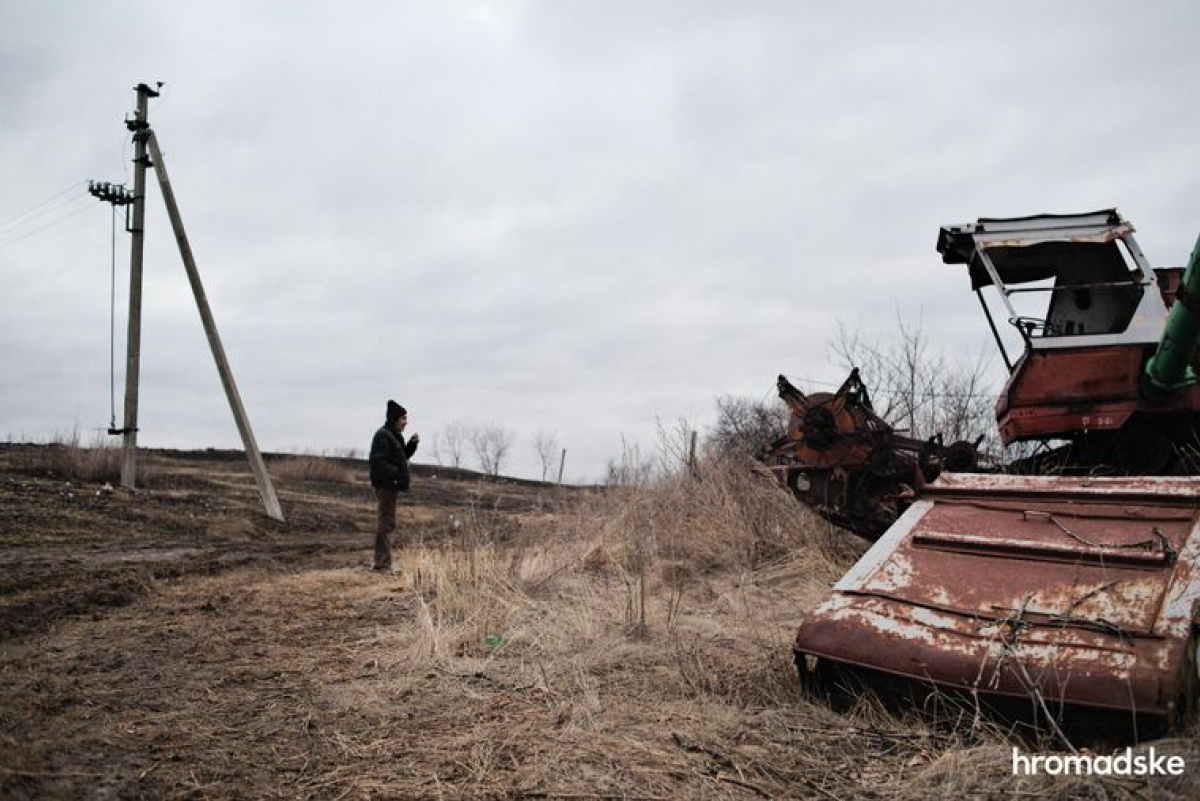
x=414, y=439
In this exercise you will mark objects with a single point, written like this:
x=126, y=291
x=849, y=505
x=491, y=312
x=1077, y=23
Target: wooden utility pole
x=261, y=477
x=129, y=428
x=562, y=462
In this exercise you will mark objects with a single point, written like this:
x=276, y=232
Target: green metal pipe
x=1169, y=368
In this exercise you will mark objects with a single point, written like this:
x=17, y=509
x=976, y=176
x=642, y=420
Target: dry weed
x=312, y=468
x=719, y=515
x=68, y=458
x=986, y=772
x=629, y=644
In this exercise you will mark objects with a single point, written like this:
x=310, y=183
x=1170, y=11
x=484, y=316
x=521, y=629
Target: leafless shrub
x=918, y=388
x=746, y=425
x=548, y=450
x=631, y=469
x=677, y=444
x=453, y=442
x=432, y=448
x=491, y=445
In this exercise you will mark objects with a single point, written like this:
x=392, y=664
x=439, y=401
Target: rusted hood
x=1082, y=590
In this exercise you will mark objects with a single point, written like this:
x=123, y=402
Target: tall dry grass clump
x=66, y=456
x=719, y=514
x=307, y=467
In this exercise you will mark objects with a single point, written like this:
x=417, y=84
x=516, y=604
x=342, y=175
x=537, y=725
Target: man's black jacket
x=389, y=459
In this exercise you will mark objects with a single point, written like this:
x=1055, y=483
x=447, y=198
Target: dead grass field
x=540, y=642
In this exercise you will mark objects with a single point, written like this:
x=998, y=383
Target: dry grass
x=631, y=643
x=66, y=456
x=643, y=651
x=311, y=468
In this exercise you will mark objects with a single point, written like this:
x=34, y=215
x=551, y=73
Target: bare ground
x=540, y=642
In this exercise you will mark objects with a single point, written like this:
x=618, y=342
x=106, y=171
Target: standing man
x=389, y=477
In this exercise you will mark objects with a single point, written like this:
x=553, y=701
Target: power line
x=112, y=328
x=9, y=220
x=50, y=224
x=17, y=226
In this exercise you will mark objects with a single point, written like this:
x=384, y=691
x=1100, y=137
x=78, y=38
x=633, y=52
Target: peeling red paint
x=1081, y=590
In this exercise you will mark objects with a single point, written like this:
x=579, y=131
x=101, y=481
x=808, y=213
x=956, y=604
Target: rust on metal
x=1066, y=583
x=1080, y=590
x=848, y=464
x=1090, y=314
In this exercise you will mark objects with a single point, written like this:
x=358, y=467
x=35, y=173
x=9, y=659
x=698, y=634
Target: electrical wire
x=50, y=224
x=112, y=329
x=16, y=220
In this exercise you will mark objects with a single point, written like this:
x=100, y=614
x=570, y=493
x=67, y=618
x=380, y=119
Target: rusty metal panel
x=1081, y=590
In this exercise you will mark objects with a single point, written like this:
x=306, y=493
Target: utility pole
x=140, y=127
x=257, y=465
x=147, y=152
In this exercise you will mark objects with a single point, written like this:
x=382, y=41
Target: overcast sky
x=577, y=217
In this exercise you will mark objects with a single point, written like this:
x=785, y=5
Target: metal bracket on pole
x=265, y=488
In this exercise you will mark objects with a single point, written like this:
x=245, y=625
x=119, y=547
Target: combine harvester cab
x=1102, y=372
x=1062, y=594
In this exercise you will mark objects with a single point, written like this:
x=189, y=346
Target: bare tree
x=746, y=426
x=455, y=437
x=491, y=445
x=547, y=447
x=676, y=443
x=917, y=388
x=633, y=470
x=434, y=448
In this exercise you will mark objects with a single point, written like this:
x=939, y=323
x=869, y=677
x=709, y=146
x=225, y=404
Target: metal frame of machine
x=1075, y=591
x=1073, y=584
x=1081, y=377
x=1082, y=255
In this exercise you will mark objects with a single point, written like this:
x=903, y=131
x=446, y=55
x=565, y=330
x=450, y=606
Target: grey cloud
x=570, y=216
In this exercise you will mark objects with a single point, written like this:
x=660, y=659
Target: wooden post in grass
x=261, y=476
x=561, y=463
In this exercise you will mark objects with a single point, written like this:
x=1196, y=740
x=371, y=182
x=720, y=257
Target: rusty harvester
x=848, y=463
x=1068, y=581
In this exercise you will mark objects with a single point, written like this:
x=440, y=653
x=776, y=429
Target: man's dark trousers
x=387, y=525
